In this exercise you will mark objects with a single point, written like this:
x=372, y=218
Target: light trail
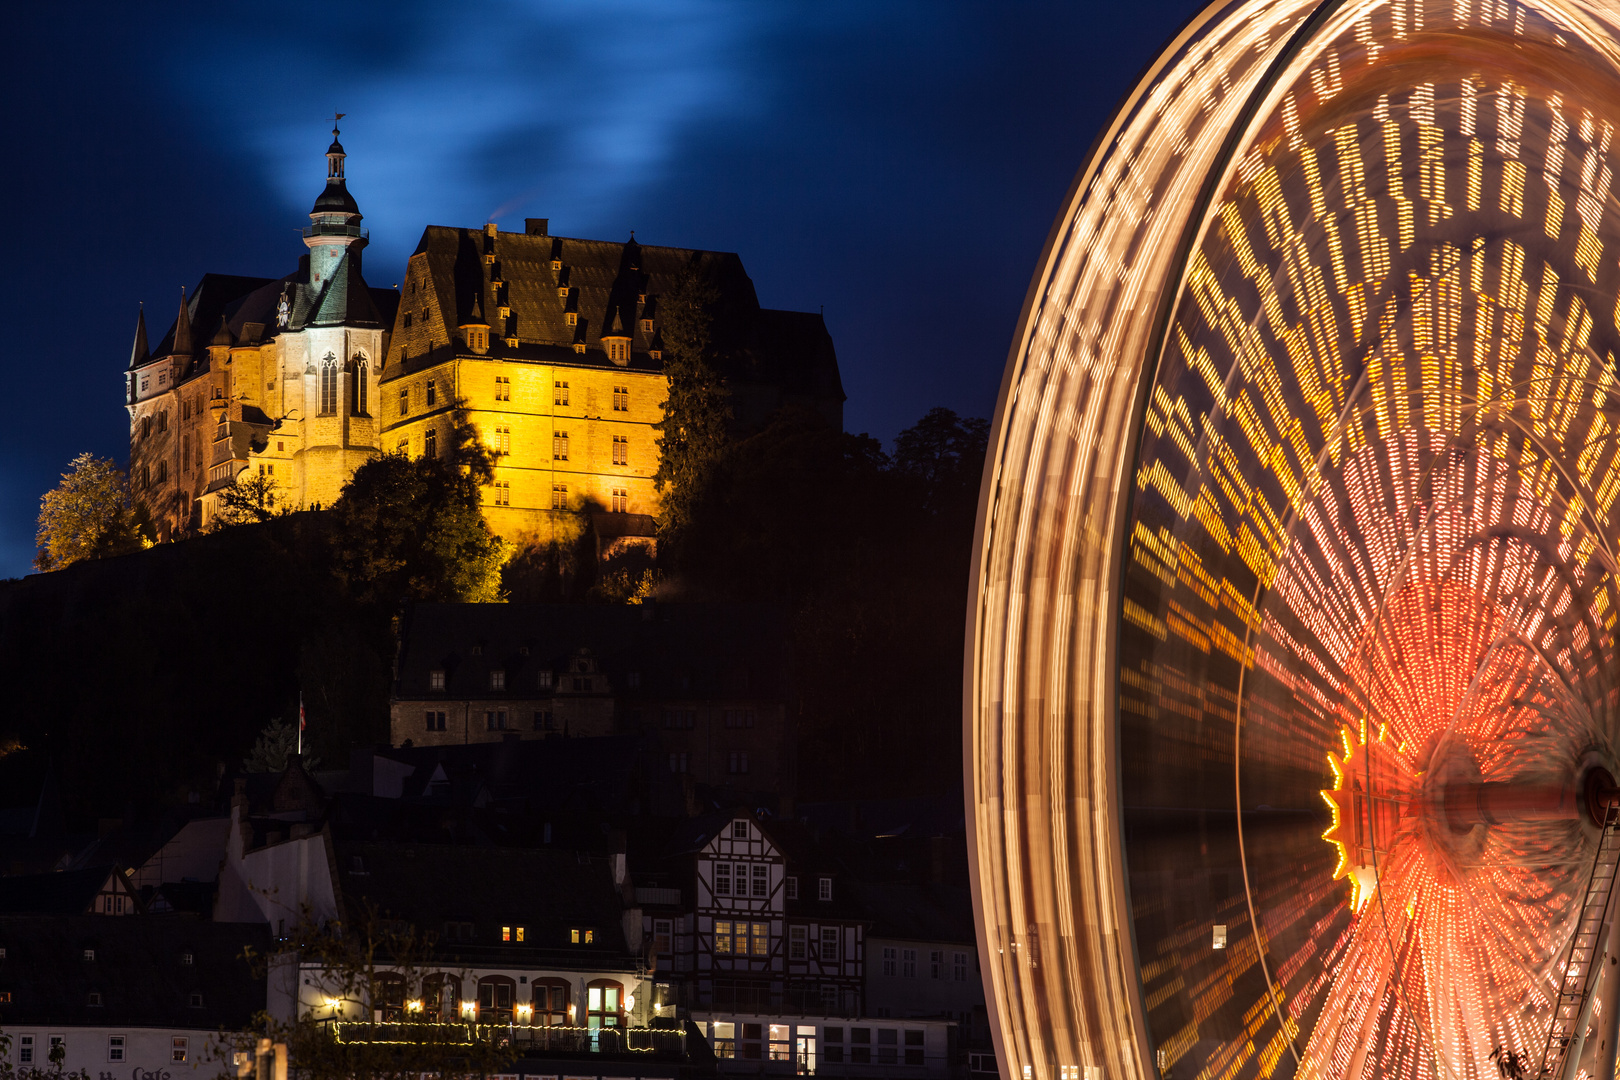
x=1311, y=425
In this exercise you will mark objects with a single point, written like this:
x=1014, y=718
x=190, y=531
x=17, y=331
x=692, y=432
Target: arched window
x=441, y=999
x=329, y=385
x=388, y=998
x=604, y=1004
x=362, y=390
x=495, y=996
x=550, y=1003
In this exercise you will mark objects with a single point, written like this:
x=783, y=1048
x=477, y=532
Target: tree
x=89, y=515
x=250, y=499
x=693, y=432
x=944, y=453
x=269, y=755
x=414, y=529
x=371, y=984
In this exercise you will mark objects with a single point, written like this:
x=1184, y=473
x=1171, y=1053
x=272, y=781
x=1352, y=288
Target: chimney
x=536, y=226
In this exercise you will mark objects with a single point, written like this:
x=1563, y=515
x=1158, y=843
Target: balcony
x=336, y=230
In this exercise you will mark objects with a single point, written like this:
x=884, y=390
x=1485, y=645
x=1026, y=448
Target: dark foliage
x=693, y=432
x=871, y=552
x=139, y=678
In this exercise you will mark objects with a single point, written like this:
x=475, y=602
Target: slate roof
x=63, y=892
x=606, y=281
x=138, y=969
x=548, y=891
x=679, y=650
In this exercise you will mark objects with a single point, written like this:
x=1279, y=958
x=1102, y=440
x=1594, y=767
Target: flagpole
x=300, y=724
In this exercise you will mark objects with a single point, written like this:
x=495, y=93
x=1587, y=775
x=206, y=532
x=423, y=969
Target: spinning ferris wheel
x=1293, y=705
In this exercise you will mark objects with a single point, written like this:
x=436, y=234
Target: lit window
x=544, y=679
x=517, y=932
x=559, y=496
x=559, y=394
x=621, y=450
x=329, y=385
x=620, y=500
x=506, y=933
x=621, y=399
x=497, y=679
x=571, y=318
x=362, y=388
x=762, y=939
x=503, y=388
x=89, y=955
x=502, y=492
x=559, y=446
x=824, y=888
x=179, y=1048
x=503, y=440
x=436, y=679
x=722, y=936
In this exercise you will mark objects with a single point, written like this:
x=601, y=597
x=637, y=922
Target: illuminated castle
x=552, y=347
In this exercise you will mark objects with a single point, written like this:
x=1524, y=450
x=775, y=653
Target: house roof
x=65, y=892
x=677, y=651
x=548, y=891
x=139, y=971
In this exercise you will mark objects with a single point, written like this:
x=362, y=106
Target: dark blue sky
x=898, y=162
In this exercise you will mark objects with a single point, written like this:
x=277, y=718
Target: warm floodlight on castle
x=1295, y=588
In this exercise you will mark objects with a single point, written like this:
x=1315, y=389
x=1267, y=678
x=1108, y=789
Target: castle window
x=430, y=443
x=656, y=354
x=185, y=451
x=435, y=720
x=163, y=420
x=404, y=448
x=436, y=679
x=144, y=382
x=621, y=500
x=219, y=393
x=424, y=315
x=511, y=343
x=618, y=350
x=146, y=426
x=621, y=450
x=329, y=385
x=361, y=387
x=559, y=446
x=544, y=679
x=503, y=493
x=579, y=347
x=503, y=440
x=497, y=679
x=163, y=377
x=739, y=761
x=646, y=326
x=432, y=392
x=621, y=399
x=559, y=394
x=404, y=400
x=503, y=388
x=408, y=320
x=163, y=472
x=559, y=496
x=495, y=720
x=562, y=290
x=570, y=318
x=146, y=476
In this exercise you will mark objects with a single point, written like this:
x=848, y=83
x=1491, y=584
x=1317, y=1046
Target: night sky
x=896, y=163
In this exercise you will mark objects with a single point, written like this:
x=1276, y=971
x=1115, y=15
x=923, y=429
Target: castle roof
x=612, y=289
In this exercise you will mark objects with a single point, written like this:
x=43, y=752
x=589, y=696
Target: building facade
x=553, y=348
x=278, y=377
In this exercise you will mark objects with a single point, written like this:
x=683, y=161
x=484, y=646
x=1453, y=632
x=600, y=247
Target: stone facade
x=286, y=386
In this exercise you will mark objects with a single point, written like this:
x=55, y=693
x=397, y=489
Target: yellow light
x=413, y=1006
x=629, y=1003
x=333, y=1003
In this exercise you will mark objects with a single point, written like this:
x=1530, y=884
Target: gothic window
x=329, y=385
x=362, y=390
x=430, y=443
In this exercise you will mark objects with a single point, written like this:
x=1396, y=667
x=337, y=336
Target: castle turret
x=182, y=330
x=141, y=353
x=335, y=239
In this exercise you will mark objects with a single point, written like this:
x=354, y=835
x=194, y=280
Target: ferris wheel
x=1292, y=695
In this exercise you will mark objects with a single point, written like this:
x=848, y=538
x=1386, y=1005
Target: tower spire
x=182, y=329
x=334, y=153
x=140, y=354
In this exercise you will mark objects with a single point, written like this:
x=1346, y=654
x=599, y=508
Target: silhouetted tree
x=693, y=432
x=250, y=499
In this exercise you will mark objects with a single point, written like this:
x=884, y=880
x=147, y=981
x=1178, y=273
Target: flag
x=300, y=712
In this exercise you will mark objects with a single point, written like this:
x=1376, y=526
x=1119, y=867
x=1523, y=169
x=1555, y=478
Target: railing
x=660, y=1042
x=337, y=230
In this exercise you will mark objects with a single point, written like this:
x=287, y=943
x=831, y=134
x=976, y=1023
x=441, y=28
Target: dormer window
x=562, y=290
x=824, y=888
x=570, y=318
x=545, y=679
x=618, y=350
x=478, y=648
x=579, y=347
x=497, y=679
x=646, y=326
x=436, y=679
x=556, y=265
